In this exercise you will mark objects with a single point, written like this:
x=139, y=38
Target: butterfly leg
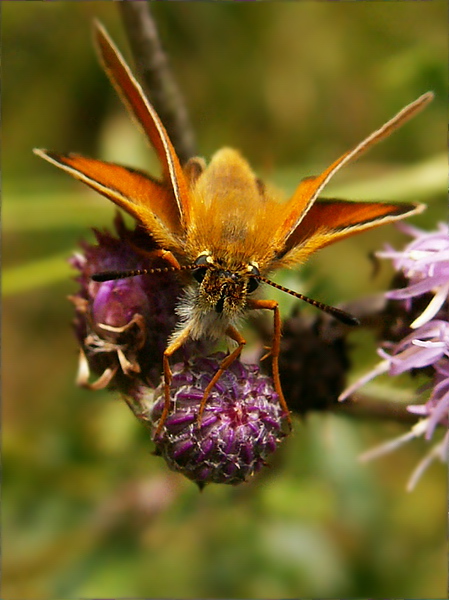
x=179, y=341
x=275, y=348
x=225, y=364
x=166, y=255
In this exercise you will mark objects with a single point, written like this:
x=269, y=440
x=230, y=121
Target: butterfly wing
x=137, y=104
x=161, y=206
x=329, y=221
x=371, y=214
x=139, y=195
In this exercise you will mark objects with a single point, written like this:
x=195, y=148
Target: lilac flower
x=240, y=427
x=437, y=407
x=425, y=264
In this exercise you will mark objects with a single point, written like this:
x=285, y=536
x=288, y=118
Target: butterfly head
x=222, y=287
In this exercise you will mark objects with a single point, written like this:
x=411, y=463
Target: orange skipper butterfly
x=221, y=224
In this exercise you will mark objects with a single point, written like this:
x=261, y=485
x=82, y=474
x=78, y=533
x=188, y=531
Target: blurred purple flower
x=425, y=264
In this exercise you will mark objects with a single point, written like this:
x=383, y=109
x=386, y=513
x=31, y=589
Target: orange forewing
x=146, y=200
x=308, y=190
x=134, y=99
x=167, y=208
x=329, y=221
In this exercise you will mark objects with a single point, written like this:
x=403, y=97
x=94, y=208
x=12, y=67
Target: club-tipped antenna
x=113, y=275
x=338, y=313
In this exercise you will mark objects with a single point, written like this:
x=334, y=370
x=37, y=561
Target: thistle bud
x=313, y=362
x=240, y=427
x=122, y=325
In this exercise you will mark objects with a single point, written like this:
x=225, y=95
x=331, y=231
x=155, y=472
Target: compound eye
x=202, y=263
x=199, y=274
x=253, y=282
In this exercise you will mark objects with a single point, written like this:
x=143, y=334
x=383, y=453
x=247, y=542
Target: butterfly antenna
x=112, y=275
x=339, y=314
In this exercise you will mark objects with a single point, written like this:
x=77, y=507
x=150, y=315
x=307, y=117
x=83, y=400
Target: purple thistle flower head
x=122, y=325
x=437, y=407
x=422, y=348
x=240, y=427
x=425, y=265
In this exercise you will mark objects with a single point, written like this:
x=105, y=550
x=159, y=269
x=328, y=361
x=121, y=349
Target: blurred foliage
x=88, y=512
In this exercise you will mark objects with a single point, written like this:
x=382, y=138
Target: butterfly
x=220, y=224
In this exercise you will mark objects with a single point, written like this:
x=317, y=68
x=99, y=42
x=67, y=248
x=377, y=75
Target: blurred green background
x=87, y=510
